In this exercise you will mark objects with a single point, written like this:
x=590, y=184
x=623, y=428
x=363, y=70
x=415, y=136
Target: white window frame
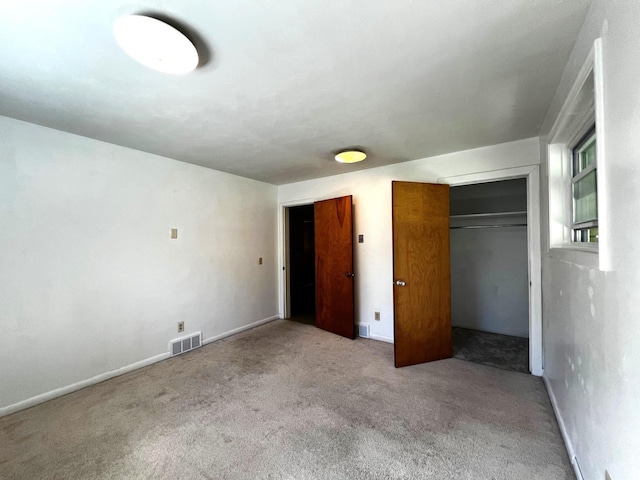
x=582, y=108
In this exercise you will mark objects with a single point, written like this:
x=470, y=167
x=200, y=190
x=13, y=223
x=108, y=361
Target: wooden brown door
x=334, y=266
x=421, y=270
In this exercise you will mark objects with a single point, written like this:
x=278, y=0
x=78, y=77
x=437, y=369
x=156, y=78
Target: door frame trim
x=532, y=174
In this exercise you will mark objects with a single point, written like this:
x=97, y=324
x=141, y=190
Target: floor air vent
x=184, y=344
x=363, y=330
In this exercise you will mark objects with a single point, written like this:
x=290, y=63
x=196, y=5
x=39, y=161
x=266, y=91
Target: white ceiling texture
x=283, y=84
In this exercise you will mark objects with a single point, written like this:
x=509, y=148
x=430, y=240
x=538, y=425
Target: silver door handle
x=400, y=283
x=349, y=274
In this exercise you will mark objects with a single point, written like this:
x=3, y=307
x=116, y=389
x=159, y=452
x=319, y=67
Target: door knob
x=400, y=283
x=349, y=274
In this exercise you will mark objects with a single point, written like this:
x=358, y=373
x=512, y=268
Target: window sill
x=575, y=253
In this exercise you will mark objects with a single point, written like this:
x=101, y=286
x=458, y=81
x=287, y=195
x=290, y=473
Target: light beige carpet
x=289, y=401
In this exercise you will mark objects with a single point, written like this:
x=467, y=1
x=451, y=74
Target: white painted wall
x=371, y=190
x=91, y=283
x=592, y=318
x=489, y=279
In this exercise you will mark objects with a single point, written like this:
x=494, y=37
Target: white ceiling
x=289, y=82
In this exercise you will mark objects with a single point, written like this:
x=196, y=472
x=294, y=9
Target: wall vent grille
x=185, y=344
x=363, y=330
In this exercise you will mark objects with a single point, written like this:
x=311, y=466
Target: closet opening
x=301, y=263
x=490, y=273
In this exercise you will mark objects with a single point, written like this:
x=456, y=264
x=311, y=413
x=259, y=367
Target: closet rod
x=493, y=226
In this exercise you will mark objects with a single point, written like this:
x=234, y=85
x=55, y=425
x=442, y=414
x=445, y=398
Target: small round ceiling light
x=351, y=156
x=156, y=44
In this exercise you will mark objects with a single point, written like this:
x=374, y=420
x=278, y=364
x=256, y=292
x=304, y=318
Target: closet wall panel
x=489, y=266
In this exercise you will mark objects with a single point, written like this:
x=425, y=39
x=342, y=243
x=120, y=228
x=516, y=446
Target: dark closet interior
x=302, y=263
x=489, y=274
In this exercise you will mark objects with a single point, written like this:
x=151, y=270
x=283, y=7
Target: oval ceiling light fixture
x=156, y=44
x=351, y=156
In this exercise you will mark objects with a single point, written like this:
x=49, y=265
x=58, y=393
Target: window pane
x=587, y=154
x=585, y=201
x=588, y=235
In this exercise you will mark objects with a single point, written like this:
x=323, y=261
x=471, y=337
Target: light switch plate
x=260, y=261
x=174, y=233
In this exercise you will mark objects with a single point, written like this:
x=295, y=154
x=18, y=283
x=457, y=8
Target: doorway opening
x=318, y=281
x=532, y=175
x=490, y=273
x=301, y=271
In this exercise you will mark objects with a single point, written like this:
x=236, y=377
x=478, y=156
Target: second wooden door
x=334, y=266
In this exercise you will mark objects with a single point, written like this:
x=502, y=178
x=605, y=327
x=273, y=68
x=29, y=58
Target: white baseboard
x=499, y=331
x=380, y=338
x=241, y=329
x=563, y=429
x=58, y=392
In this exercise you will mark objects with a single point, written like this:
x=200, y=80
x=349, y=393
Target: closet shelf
x=490, y=215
